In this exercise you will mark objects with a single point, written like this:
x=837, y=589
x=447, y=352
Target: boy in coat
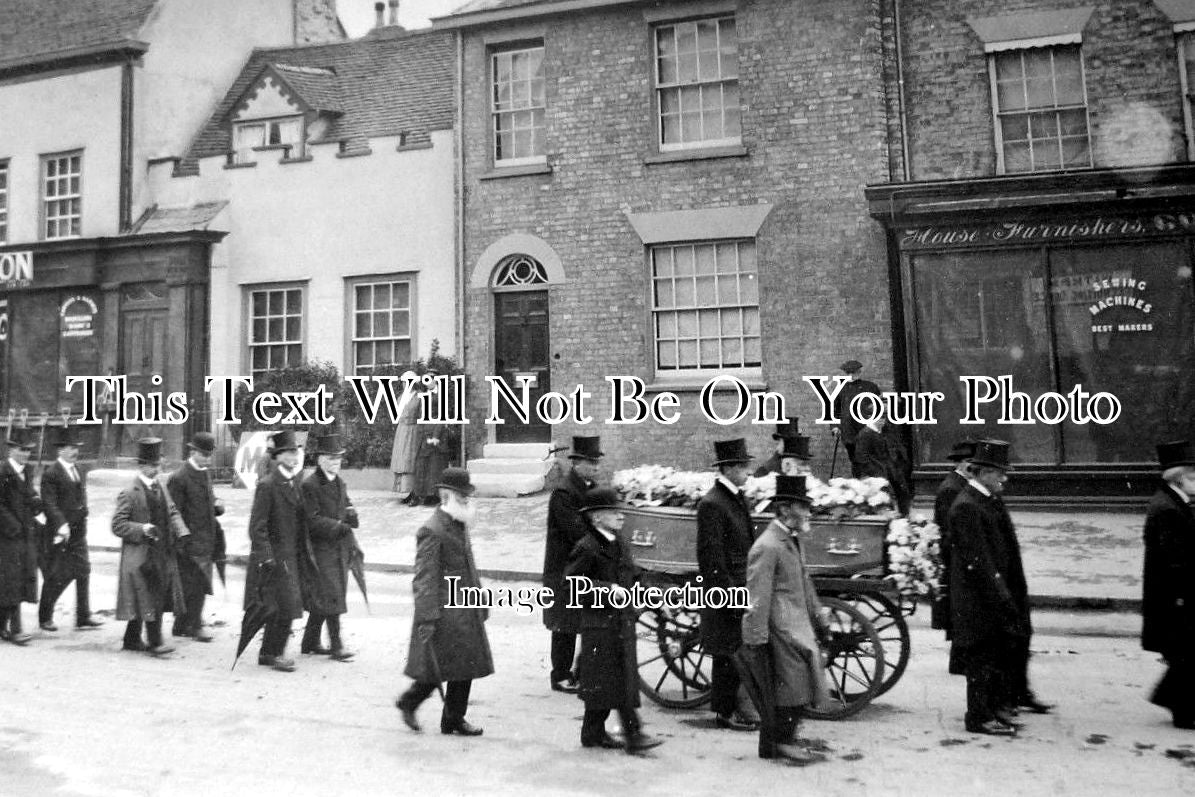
x=190, y=488
x=20, y=511
x=608, y=667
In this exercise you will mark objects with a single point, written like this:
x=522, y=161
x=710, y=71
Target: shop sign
x=1036, y=232
x=3, y=320
x=1120, y=291
x=78, y=316
x=16, y=269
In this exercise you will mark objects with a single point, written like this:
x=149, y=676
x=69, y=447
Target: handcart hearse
x=868, y=646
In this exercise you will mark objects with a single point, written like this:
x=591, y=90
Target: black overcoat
x=1168, y=600
x=277, y=531
x=608, y=669
x=566, y=528
x=948, y=491
x=461, y=647
x=989, y=599
x=432, y=458
x=875, y=457
x=19, y=540
x=191, y=490
x=330, y=526
x=848, y=427
x=724, y=538
x=65, y=502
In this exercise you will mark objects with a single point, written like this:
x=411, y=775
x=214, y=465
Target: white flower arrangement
x=914, y=557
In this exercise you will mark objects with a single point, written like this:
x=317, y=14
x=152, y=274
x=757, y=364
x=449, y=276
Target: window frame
x=492, y=52
x=5, y=181
x=250, y=345
x=998, y=115
x=657, y=90
x=1185, y=39
x=44, y=217
x=351, y=340
x=295, y=149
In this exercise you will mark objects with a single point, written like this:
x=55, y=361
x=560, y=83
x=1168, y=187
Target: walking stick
x=834, y=459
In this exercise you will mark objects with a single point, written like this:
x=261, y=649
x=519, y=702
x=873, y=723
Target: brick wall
x=813, y=118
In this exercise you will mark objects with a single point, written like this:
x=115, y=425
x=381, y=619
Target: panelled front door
x=521, y=346
x=144, y=331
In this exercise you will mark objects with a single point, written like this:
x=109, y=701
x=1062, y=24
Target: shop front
x=1064, y=299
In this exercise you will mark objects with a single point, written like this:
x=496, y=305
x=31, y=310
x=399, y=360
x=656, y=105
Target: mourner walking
x=791, y=455
x=1168, y=600
x=447, y=644
x=435, y=452
x=848, y=428
x=65, y=558
x=608, y=667
x=331, y=519
x=191, y=489
x=20, y=508
x=724, y=536
x=151, y=532
x=567, y=527
x=948, y=490
x=406, y=435
x=877, y=455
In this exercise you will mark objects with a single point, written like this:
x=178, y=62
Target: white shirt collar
x=286, y=472
x=191, y=462
x=147, y=482
x=329, y=476
x=18, y=469
x=66, y=466
x=734, y=488
x=609, y=537
x=980, y=487
x=874, y=426
x=1185, y=498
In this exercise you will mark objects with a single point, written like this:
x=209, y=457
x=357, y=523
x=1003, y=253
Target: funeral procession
x=597, y=397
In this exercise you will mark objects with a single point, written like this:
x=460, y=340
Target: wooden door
x=521, y=346
x=143, y=338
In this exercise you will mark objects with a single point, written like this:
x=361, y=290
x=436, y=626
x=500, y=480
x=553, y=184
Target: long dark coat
x=989, y=599
x=874, y=457
x=330, y=526
x=433, y=458
x=460, y=644
x=724, y=538
x=848, y=427
x=65, y=502
x=566, y=528
x=19, y=536
x=278, y=531
x=948, y=491
x=608, y=668
x=139, y=597
x=191, y=491
x=1168, y=600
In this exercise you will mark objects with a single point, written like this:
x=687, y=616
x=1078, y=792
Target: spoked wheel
x=854, y=659
x=890, y=624
x=673, y=669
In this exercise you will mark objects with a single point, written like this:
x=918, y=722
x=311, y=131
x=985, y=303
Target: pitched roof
x=32, y=29
x=180, y=219
x=383, y=86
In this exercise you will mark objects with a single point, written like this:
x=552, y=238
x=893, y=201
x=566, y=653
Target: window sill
x=250, y=165
x=413, y=147
x=354, y=153
x=271, y=147
x=696, y=154
x=516, y=171
x=301, y=159
x=678, y=384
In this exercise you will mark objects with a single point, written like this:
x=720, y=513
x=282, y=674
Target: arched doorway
x=522, y=345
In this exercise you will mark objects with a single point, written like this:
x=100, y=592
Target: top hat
x=149, y=451
x=790, y=488
x=600, y=498
x=20, y=437
x=731, y=452
x=963, y=449
x=991, y=454
x=1176, y=453
x=203, y=442
x=283, y=441
x=789, y=428
x=796, y=447
x=851, y=366
x=586, y=448
x=456, y=479
x=61, y=436
x=330, y=445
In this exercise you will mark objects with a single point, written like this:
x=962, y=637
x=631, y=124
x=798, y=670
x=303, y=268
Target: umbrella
x=220, y=553
x=357, y=568
x=52, y=557
x=259, y=612
x=758, y=674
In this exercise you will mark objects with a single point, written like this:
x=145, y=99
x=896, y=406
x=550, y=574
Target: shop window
x=287, y=132
x=1186, y=58
x=518, y=106
x=705, y=307
x=275, y=328
x=697, y=88
x=62, y=198
x=1041, y=110
x=381, y=318
x=3, y=201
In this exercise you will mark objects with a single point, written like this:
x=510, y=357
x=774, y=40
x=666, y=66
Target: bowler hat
x=20, y=437
x=991, y=454
x=456, y=479
x=1176, y=453
x=850, y=366
x=796, y=447
x=61, y=436
x=283, y=441
x=963, y=449
x=149, y=451
x=731, y=452
x=600, y=498
x=203, y=442
x=586, y=448
x=330, y=445
x=789, y=428
x=790, y=488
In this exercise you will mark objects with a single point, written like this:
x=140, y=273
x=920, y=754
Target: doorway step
x=508, y=470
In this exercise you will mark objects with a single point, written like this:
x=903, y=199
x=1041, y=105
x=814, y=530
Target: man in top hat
x=277, y=543
x=64, y=494
x=20, y=510
x=608, y=667
x=1168, y=600
x=989, y=599
x=190, y=488
x=785, y=621
x=567, y=527
x=151, y=532
x=792, y=451
x=331, y=518
x=848, y=428
x=724, y=536
x=447, y=644
x=948, y=490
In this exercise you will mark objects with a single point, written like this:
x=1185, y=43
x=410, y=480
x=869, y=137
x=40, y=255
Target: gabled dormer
x=284, y=108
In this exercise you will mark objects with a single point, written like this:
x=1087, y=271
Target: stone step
x=501, y=485
x=516, y=450
x=509, y=465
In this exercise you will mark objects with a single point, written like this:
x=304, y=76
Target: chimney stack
x=393, y=12
x=380, y=9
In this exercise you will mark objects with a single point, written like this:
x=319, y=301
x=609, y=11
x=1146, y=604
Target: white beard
x=462, y=513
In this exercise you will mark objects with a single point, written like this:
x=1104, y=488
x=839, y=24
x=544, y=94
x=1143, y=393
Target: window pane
x=684, y=293
x=683, y=260
x=706, y=295
x=363, y=327
x=687, y=324
x=277, y=300
x=749, y=289
x=687, y=354
x=666, y=354
x=401, y=323
x=664, y=295
x=666, y=325
x=294, y=301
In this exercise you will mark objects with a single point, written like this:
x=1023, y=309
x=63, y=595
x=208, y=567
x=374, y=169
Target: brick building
x=671, y=190
x=1040, y=223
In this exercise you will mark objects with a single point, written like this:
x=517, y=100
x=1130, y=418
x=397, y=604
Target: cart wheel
x=854, y=659
x=889, y=621
x=673, y=669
